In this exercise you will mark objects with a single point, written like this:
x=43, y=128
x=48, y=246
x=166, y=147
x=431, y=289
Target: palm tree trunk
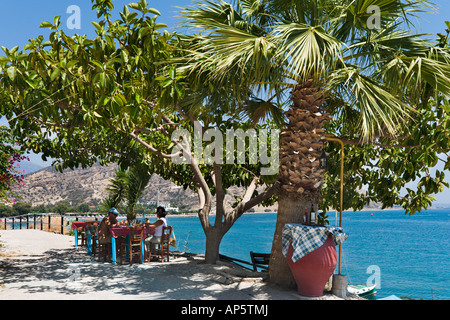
x=290, y=210
x=300, y=176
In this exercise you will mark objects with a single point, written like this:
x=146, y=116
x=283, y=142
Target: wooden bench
x=259, y=260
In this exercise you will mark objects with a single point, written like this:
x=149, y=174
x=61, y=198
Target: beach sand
x=36, y=265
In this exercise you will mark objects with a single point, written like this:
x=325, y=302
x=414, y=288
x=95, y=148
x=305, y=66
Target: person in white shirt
x=151, y=241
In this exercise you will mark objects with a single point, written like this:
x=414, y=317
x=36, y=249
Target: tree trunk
x=290, y=210
x=213, y=238
x=300, y=176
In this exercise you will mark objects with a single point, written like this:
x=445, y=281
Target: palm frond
x=378, y=110
x=259, y=110
x=117, y=187
x=308, y=51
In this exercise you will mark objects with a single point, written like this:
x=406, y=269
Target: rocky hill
x=47, y=186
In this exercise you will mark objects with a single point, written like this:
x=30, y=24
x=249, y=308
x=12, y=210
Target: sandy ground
x=41, y=265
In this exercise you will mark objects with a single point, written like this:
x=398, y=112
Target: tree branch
x=160, y=128
x=259, y=198
x=153, y=149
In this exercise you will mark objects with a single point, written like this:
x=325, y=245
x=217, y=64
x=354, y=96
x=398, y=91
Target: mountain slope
x=47, y=186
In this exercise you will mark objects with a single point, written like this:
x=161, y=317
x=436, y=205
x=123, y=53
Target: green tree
x=117, y=98
x=84, y=207
x=7, y=211
x=128, y=186
x=352, y=75
x=62, y=207
x=116, y=189
x=41, y=208
x=22, y=208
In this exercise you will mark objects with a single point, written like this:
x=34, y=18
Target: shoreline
x=193, y=215
x=330, y=211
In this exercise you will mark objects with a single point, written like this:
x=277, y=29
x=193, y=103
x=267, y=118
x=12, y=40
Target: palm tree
x=128, y=186
x=137, y=180
x=116, y=189
x=368, y=77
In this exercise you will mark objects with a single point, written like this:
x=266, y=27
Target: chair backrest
x=136, y=234
x=91, y=229
x=166, y=232
x=260, y=260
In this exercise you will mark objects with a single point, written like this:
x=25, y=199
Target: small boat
x=361, y=290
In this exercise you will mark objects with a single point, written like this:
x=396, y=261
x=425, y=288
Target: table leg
x=113, y=249
x=76, y=238
x=89, y=244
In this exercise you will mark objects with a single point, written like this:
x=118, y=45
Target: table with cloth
x=124, y=231
x=305, y=238
x=80, y=225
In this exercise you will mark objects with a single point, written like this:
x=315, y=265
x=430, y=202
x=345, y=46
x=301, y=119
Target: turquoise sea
x=406, y=256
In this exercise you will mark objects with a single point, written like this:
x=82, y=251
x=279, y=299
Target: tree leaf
x=154, y=11
x=55, y=74
x=46, y=24
x=12, y=72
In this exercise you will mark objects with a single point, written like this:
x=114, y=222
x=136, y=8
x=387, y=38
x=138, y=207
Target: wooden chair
x=133, y=246
x=162, y=249
x=81, y=236
x=94, y=239
x=104, y=250
x=260, y=260
x=82, y=233
x=92, y=230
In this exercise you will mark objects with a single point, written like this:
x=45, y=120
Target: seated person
x=108, y=222
x=155, y=239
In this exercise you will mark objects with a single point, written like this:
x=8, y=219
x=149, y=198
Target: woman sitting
x=155, y=239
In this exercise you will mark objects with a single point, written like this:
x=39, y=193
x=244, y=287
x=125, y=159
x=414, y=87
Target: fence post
x=20, y=222
x=49, y=220
x=62, y=224
x=12, y=226
x=42, y=218
x=28, y=222
x=34, y=221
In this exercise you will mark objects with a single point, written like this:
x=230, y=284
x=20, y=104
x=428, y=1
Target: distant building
x=148, y=202
x=165, y=205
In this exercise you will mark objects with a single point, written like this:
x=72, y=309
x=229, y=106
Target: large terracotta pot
x=312, y=271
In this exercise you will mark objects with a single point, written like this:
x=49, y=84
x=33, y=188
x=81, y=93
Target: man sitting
x=108, y=222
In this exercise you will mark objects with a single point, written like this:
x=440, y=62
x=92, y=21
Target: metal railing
x=41, y=221
x=439, y=291
x=51, y=222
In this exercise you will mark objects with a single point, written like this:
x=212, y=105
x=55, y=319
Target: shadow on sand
x=72, y=273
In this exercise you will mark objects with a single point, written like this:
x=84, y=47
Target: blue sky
x=20, y=19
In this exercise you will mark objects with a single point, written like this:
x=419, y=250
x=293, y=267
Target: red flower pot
x=312, y=271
